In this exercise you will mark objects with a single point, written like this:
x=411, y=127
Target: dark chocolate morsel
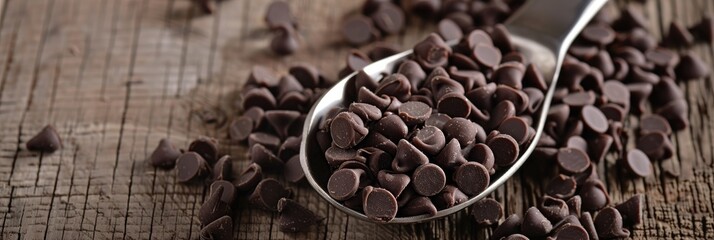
x=571, y=160
x=379, y=204
x=505, y=149
x=393, y=182
x=396, y=85
x=608, y=223
x=594, y=195
x=307, y=75
x=213, y=208
x=408, y=157
x=165, y=154
x=206, y=147
x=631, y=210
x=461, y=129
x=359, y=30
x=639, y=92
x=289, y=148
x=418, y=206
x=656, y=146
x=428, y=179
x=509, y=74
x=449, y=197
x=381, y=50
x=575, y=204
x=437, y=120
x=691, y=67
x=262, y=77
x=265, y=158
x=366, y=96
x=516, y=127
x=285, y=41
x=638, y=163
x=293, y=170
x=599, y=146
x=535, y=224
x=554, y=209
x=480, y=153
x=221, y=228
x=259, y=97
x=414, y=112
x=587, y=221
x=344, y=183
x=294, y=217
x=472, y=178
x=429, y=139
x=654, y=123
x=677, y=113
x=347, y=130
x=389, y=18
x=281, y=121
x=267, y=194
x=191, y=166
x=229, y=190
x=487, y=55
x=511, y=225
x=392, y=127
x=240, y=128
x=250, y=177
x=335, y=156
x=379, y=141
x=594, y=119
x=678, y=35
x=278, y=13
x=502, y=111
x=450, y=157
x=454, y=104
x=269, y=141
x=47, y=140
x=487, y=212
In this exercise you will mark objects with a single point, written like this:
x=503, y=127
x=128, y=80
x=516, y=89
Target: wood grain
x=116, y=76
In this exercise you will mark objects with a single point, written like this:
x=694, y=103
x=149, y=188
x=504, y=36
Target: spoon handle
x=553, y=23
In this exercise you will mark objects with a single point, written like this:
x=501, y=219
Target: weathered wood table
x=115, y=76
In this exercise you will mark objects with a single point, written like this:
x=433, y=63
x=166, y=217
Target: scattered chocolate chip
x=165, y=154
x=265, y=158
x=229, y=190
x=561, y=187
x=285, y=41
x=267, y=194
x=656, y=146
x=691, y=67
x=554, y=209
x=587, y=221
x=594, y=195
x=293, y=170
x=631, y=210
x=47, y=140
x=191, y=166
x=575, y=204
x=487, y=212
x=223, y=168
x=382, y=50
x=359, y=30
x=214, y=207
x=278, y=14
x=389, y=18
x=511, y=225
x=294, y=217
x=472, y=178
x=250, y=177
x=221, y=228
x=608, y=223
x=449, y=30
x=571, y=160
x=428, y=179
x=535, y=224
x=678, y=35
x=638, y=163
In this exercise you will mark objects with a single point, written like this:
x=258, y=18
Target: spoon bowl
x=541, y=30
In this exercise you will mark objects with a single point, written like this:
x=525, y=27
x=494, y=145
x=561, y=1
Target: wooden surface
x=115, y=76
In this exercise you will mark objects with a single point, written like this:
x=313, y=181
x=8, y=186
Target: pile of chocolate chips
x=430, y=134
x=283, y=23
x=379, y=18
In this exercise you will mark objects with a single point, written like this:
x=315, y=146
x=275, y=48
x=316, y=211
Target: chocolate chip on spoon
x=450, y=156
x=487, y=212
x=379, y=204
x=344, y=183
x=460, y=129
x=429, y=139
x=472, y=178
x=347, y=130
x=428, y=179
x=505, y=149
x=449, y=197
x=418, y=206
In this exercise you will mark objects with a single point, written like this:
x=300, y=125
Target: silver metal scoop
x=542, y=30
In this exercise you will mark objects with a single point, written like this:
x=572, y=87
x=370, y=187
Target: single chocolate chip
x=614, y=112
x=389, y=18
x=414, y=112
x=393, y=182
x=480, y=153
x=465, y=70
x=654, y=123
x=47, y=140
x=240, y=128
x=554, y=209
x=638, y=163
x=460, y=129
x=428, y=179
x=267, y=194
x=535, y=99
x=413, y=72
x=561, y=187
x=487, y=55
x=535, y=224
x=382, y=50
x=293, y=170
x=407, y=194
x=307, y=75
x=206, y=147
x=594, y=195
x=265, y=158
x=534, y=78
x=502, y=38
x=572, y=160
x=575, y=204
x=516, y=127
x=460, y=18
x=294, y=217
x=704, y=29
x=450, y=156
x=288, y=83
x=691, y=67
x=631, y=55
x=269, y=141
x=392, y=127
x=250, y=177
x=289, y=148
x=191, y=166
x=587, y=222
x=407, y=157
x=366, y=96
x=487, y=212
x=259, y=97
x=213, y=208
x=594, y=119
x=429, y=139
x=517, y=97
x=262, y=77
x=437, y=120
x=631, y=210
x=678, y=35
x=603, y=63
x=335, y=156
x=608, y=223
x=570, y=231
x=514, y=57
x=656, y=146
x=359, y=30
x=449, y=197
x=662, y=57
x=577, y=142
x=616, y=92
x=677, y=113
x=454, y=104
x=432, y=52
x=666, y=91
x=418, y=206
x=282, y=120
x=396, y=85
x=285, y=41
x=599, y=146
x=221, y=228
x=502, y=111
x=580, y=99
x=379, y=204
x=482, y=97
x=449, y=30
x=600, y=34
x=279, y=13
x=229, y=190
x=511, y=225
x=505, y=149
x=472, y=178
x=223, y=168
x=347, y=130
x=639, y=92
x=165, y=154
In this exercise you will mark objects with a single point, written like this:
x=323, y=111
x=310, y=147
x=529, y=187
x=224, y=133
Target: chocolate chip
x=639, y=92
x=608, y=223
x=396, y=85
x=505, y=149
x=455, y=105
x=535, y=224
x=366, y=96
x=437, y=120
x=221, y=228
x=47, y=140
x=677, y=113
x=704, y=29
x=613, y=112
x=656, y=146
x=335, y=156
x=516, y=127
x=571, y=232
x=638, y=163
x=502, y=111
x=594, y=195
x=594, y=119
x=460, y=129
x=418, y=206
x=480, y=153
x=587, y=221
x=344, y=183
x=294, y=217
x=265, y=158
x=577, y=142
x=511, y=225
x=461, y=19
x=259, y=97
x=450, y=156
x=449, y=197
x=229, y=190
x=534, y=78
x=600, y=34
x=631, y=210
x=487, y=212
x=472, y=178
x=382, y=50
x=165, y=154
x=654, y=123
x=407, y=157
x=428, y=179
x=561, y=187
x=214, y=208
x=250, y=177
x=572, y=160
x=285, y=41
x=691, y=67
x=678, y=35
x=223, y=168
x=580, y=99
x=502, y=39
x=206, y=147
x=441, y=86
x=414, y=113
x=429, y=139
x=240, y=128
x=359, y=30
x=267, y=194
x=289, y=148
x=554, y=209
x=432, y=52
x=575, y=204
x=389, y=18
x=307, y=75
x=449, y=30
x=393, y=182
x=476, y=37
x=487, y=55
x=279, y=13
x=599, y=146
x=379, y=204
x=347, y=130
x=191, y=166
x=380, y=142
x=293, y=170
x=518, y=98
x=413, y=72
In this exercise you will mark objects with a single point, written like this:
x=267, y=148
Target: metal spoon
x=542, y=31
